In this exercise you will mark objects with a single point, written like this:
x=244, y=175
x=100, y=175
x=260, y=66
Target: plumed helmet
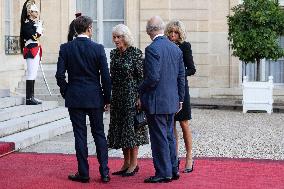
x=31, y=6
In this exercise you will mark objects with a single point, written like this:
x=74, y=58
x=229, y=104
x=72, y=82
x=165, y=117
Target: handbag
x=140, y=120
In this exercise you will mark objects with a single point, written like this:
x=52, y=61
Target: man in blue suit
x=162, y=93
x=87, y=92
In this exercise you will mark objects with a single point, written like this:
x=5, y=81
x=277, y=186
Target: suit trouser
x=163, y=144
x=78, y=119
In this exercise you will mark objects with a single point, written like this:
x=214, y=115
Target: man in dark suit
x=162, y=93
x=87, y=92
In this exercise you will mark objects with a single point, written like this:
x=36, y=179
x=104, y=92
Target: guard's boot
x=30, y=93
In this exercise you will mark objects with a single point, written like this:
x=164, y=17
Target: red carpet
x=41, y=171
x=6, y=147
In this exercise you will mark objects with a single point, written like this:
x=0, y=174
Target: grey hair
x=124, y=31
x=155, y=24
x=180, y=28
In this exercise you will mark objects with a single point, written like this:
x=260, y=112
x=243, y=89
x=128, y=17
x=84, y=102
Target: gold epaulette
x=35, y=37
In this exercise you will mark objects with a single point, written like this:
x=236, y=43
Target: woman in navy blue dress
x=175, y=31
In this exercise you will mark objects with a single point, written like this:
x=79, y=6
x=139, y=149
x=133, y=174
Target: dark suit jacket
x=164, y=81
x=89, y=84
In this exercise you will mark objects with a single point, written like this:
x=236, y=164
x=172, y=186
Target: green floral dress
x=126, y=73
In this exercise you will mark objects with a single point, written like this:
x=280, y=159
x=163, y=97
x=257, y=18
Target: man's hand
x=180, y=107
x=107, y=107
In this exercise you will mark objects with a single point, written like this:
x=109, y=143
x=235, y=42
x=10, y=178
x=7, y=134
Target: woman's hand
x=138, y=104
x=107, y=107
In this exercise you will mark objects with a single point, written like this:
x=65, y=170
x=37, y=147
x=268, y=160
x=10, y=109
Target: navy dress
x=185, y=113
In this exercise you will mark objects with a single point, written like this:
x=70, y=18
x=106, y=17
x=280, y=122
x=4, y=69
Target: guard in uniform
x=31, y=30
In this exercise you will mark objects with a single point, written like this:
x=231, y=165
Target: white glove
x=39, y=27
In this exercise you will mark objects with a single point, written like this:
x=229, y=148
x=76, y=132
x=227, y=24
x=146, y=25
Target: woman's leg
x=176, y=136
x=133, y=159
x=187, y=136
x=126, y=154
x=126, y=163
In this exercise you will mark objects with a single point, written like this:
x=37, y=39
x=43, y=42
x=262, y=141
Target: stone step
x=11, y=101
x=23, y=110
x=54, y=97
x=47, y=97
x=52, y=85
x=29, y=121
x=39, y=91
x=50, y=80
x=47, y=67
x=37, y=134
x=4, y=93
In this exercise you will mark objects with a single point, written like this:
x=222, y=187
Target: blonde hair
x=124, y=31
x=180, y=28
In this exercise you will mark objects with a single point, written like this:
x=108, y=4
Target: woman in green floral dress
x=126, y=68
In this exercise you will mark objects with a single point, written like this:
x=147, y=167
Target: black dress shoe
x=105, y=179
x=155, y=179
x=175, y=176
x=126, y=174
x=79, y=178
x=120, y=172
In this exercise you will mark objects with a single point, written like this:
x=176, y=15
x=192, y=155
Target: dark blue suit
x=88, y=89
x=160, y=92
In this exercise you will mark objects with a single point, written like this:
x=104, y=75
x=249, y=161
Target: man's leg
x=172, y=142
x=78, y=119
x=97, y=128
x=160, y=145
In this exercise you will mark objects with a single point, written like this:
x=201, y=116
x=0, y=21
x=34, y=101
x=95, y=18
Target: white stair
x=37, y=134
x=22, y=110
x=26, y=125
x=4, y=92
x=11, y=101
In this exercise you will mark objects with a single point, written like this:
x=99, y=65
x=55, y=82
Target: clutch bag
x=140, y=120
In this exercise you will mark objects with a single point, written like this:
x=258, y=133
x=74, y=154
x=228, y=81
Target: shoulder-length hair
x=177, y=24
x=124, y=31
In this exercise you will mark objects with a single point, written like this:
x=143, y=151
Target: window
x=267, y=68
x=106, y=14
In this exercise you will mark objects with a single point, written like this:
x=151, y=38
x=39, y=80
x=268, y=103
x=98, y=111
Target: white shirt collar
x=158, y=35
x=83, y=35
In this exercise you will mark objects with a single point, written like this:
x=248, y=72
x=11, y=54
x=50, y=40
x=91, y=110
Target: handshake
x=39, y=28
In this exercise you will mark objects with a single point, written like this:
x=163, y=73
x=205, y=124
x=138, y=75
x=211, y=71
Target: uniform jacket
x=29, y=32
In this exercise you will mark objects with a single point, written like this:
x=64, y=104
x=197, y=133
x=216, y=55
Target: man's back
x=86, y=65
x=165, y=70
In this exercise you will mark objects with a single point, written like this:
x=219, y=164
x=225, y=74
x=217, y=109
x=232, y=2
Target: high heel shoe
x=189, y=170
x=126, y=174
x=120, y=172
